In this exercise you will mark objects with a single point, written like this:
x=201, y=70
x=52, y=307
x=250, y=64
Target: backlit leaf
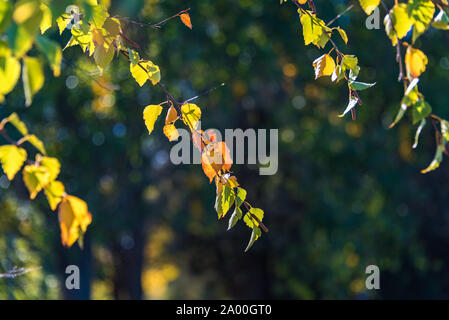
x=185, y=18
x=145, y=70
x=54, y=191
x=150, y=115
x=369, y=5
x=324, y=66
x=256, y=233
x=191, y=115
x=421, y=110
x=74, y=217
x=415, y=62
x=52, y=52
x=12, y=159
x=252, y=217
x=35, y=179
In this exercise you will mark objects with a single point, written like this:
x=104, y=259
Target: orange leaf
x=171, y=132
x=215, y=157
x=74, y=218
x=172, y=115
x=185, y=18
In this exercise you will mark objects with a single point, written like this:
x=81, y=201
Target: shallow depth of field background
x=347, y=194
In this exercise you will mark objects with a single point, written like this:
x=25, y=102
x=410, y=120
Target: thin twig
x=340, y=15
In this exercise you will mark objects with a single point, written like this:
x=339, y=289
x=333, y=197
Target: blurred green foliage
x=347, y=194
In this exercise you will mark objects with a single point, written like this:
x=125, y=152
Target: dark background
x=347, y=194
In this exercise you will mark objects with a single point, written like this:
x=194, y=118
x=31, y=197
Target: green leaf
x=350, y=62
x=418, y=132
x=441, y=21
x=249, y=217
x=421, y=110
x=352, y=103
x=436, y=159
x=236, y=216
x=421, y=13
x=52, y=52
x=399, y=115
x=224, y=201
x=254, y=236
x=356, y=85
x=21, y=36
x=240, y=196
x=5, y=15
x=445, y=129
x=33, y=78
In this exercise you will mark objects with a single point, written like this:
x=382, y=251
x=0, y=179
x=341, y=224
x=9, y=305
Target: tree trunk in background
x=128, y=263
x=82, y=259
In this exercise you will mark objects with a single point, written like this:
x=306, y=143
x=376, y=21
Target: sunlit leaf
x=253, y=218
x=256, y=233
x=185, y=18
x=12, y=159
x=415, y=62
x=35, y=179
x=145, y=70
x=418, y=132
x=46, y=18
x=421, y=110
x=74, y=217
x=150, y=115
x=191, y=115
x=54, y=191
x=369, y=5
x=224, y=201
x=324, y=66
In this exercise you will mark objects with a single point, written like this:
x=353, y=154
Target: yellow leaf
x=191, y=115
x=74, y=217
x=401, y=20
x=63, y=21
x=17, y=123
x=35, y=179
x=415, y=62
x=52, y=164
x=324, y=66
x=150, y=115
x=369, y=5
x=24, y=10
x=171, y=132
x=46, y=18
x=144, y=70
x=250, y=218
x=9, y=74
x=36, y=142
x=33, y=78
x=12, y=159
x=54, y=191
x=314, y=29
x=185, y=18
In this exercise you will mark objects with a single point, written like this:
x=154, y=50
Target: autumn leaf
x=145, y=70
x=191, y=115
x=54, y=191
x=369, y=5
x=224, y=201
x=169, y=129
x=215, y=157
x=12, y=159
x=415, y=62
x=74, y=217
x=185, y=18
x=35, y=179
x=324, y=66
x=52, y=164
x=150, y=115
